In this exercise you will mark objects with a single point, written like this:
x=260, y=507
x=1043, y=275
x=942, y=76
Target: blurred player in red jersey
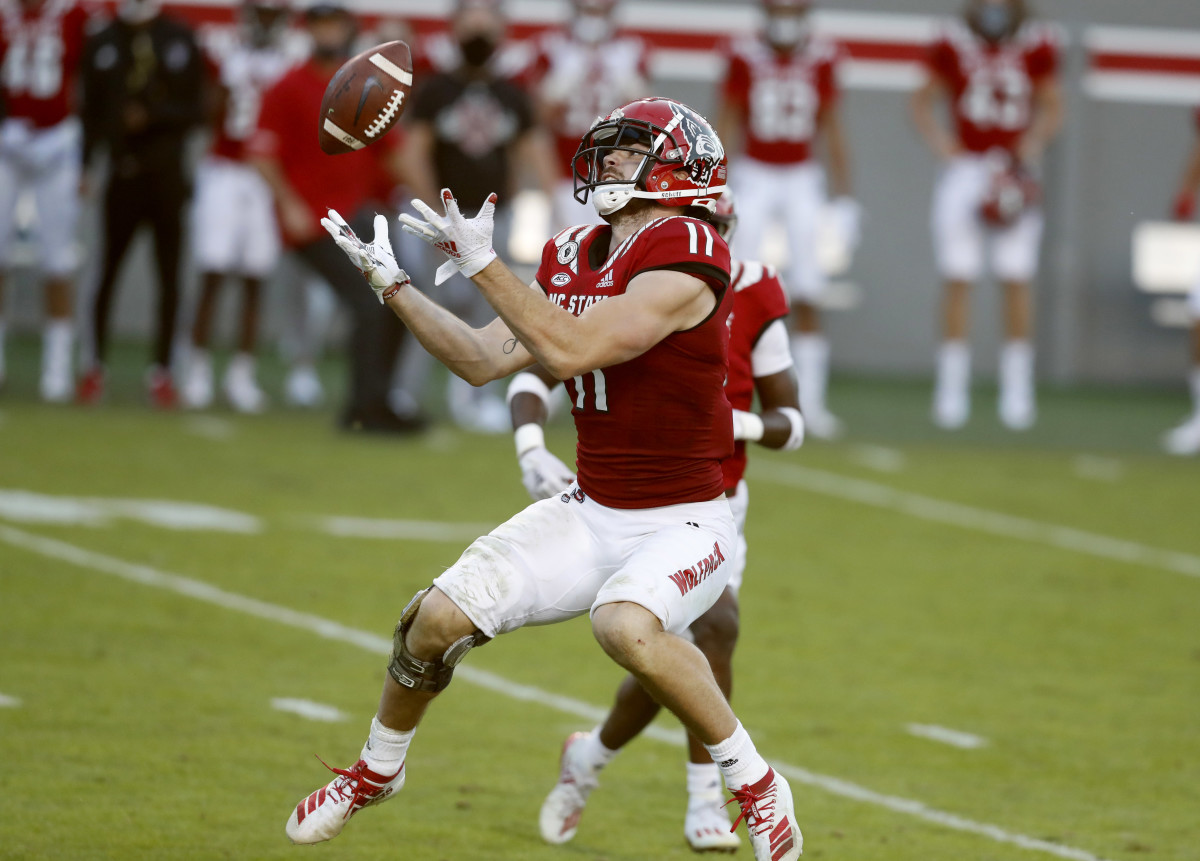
x=759, y=361
x=581, y=73
x=303, y=180
x=1185, y=439
x=998, y=72
x=41, y=44
x=631, y=316
x=234, y=233
x=779, y=100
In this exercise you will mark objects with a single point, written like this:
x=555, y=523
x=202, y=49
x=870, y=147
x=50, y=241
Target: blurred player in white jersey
x=234, y=233
x=41, y=44
x=779, y=100
x=760, y=362
x=998, y=72
x=581, y=73
x=1185, y=439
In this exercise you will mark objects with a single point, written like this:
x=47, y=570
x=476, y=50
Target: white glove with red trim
x=377, y=261
x=466, y=241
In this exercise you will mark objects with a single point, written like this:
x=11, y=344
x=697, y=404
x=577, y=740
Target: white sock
x=738, y=760
x=242, y=363
x=1193, y=380
x=1016, y=368
x=593, y=753
x=57, y=336
x=386, y=748
x=954, y=367
x=811, y=352
x=703, y=781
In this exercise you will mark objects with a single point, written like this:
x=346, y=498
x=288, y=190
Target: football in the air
x=365, y=98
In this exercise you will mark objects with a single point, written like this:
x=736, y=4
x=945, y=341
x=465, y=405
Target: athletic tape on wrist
x=528, y=383
x=797, y=422
x=394, y=289
x=528, y=437
x=747, y=426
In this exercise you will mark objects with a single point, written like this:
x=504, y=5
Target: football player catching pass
x=1185, y=439
x=234, y=232
x=998, y=72
x=780, y=99
x=41, y=45
x=759, y=361
x=631, y=316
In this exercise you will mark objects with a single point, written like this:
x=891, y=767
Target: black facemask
x=477, y=50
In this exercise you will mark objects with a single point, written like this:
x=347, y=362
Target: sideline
x=331, y=630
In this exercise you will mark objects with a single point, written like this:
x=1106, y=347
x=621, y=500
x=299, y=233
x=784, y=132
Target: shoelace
x=749, y=802
x=350, y=787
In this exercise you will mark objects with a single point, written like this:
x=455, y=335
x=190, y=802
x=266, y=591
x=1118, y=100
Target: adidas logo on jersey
x=606, y=282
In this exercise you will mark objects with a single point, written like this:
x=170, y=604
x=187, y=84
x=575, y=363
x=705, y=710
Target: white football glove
x=466, y=241
x=543, y=474
x=377, y=261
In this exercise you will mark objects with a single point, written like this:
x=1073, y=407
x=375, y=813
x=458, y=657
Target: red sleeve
x=826, y=80
x=736, y=87
x=941, y=59
x=684, y=245
x=1042, y=60
x=771, y=299
x=549, y=257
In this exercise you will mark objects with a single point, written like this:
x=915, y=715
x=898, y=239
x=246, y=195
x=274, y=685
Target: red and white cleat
x=706, y=826
x=563, y=807
x=324, y=814
x=90, y=389
x=767, y=809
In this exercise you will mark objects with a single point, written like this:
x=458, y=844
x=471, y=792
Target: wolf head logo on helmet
x=683, y=162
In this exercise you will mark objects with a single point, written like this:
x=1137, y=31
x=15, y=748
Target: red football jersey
x=40, y=50
x=653, y=430
x=244, y=72
x=758, y=301
x=780, y=96
x=582, y=82
x=991, y=86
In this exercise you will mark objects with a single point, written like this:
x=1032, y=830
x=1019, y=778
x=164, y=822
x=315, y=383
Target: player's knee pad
x=410, y=671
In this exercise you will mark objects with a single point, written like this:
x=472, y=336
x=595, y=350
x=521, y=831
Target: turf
x=145, y=728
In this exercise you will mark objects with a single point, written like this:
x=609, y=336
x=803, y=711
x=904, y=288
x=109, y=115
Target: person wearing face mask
x=581, y=71
x=473, y=129
x=143, y=82
x=779, y=100
x=304, y=181
x=998, y=73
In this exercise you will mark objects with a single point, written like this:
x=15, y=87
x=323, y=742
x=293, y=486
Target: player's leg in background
x=10, y=186
x=803, y=189
x=1015, y=260
x=170, y=196
x=215, y=220
x=122, y=212
x=1185, y=439
x=196, y=391
x=958, y=238
x=757, y=201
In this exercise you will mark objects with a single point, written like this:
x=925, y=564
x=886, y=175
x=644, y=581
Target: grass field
x=1040, y=593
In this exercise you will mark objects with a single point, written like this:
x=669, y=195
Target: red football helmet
x=683, y=162
x=1011, y=190
x=724, y=217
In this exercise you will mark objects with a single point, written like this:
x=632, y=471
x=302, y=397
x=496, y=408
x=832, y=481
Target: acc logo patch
x=562, y=279
x=568, y=251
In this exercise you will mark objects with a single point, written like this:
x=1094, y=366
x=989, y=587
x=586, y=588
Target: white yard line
x=878, y=457
x=1095, y=468
x=952, y=737
x=7, y=702
x=331, y=630
x=309, y=709
x=976, y=519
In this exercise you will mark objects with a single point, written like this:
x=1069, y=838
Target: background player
x=779, y=100
x=759, y=362
x=234, y=233
x=1185, y=439
x=632, y=316
x=998, y=73
x=580, y=73
x=41, y=45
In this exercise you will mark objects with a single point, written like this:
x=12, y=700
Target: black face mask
x=477, y=50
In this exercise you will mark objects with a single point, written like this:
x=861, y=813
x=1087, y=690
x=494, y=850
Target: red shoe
x=90, y=390
x=323, y=814
x=161, y=389
x=770, y=819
